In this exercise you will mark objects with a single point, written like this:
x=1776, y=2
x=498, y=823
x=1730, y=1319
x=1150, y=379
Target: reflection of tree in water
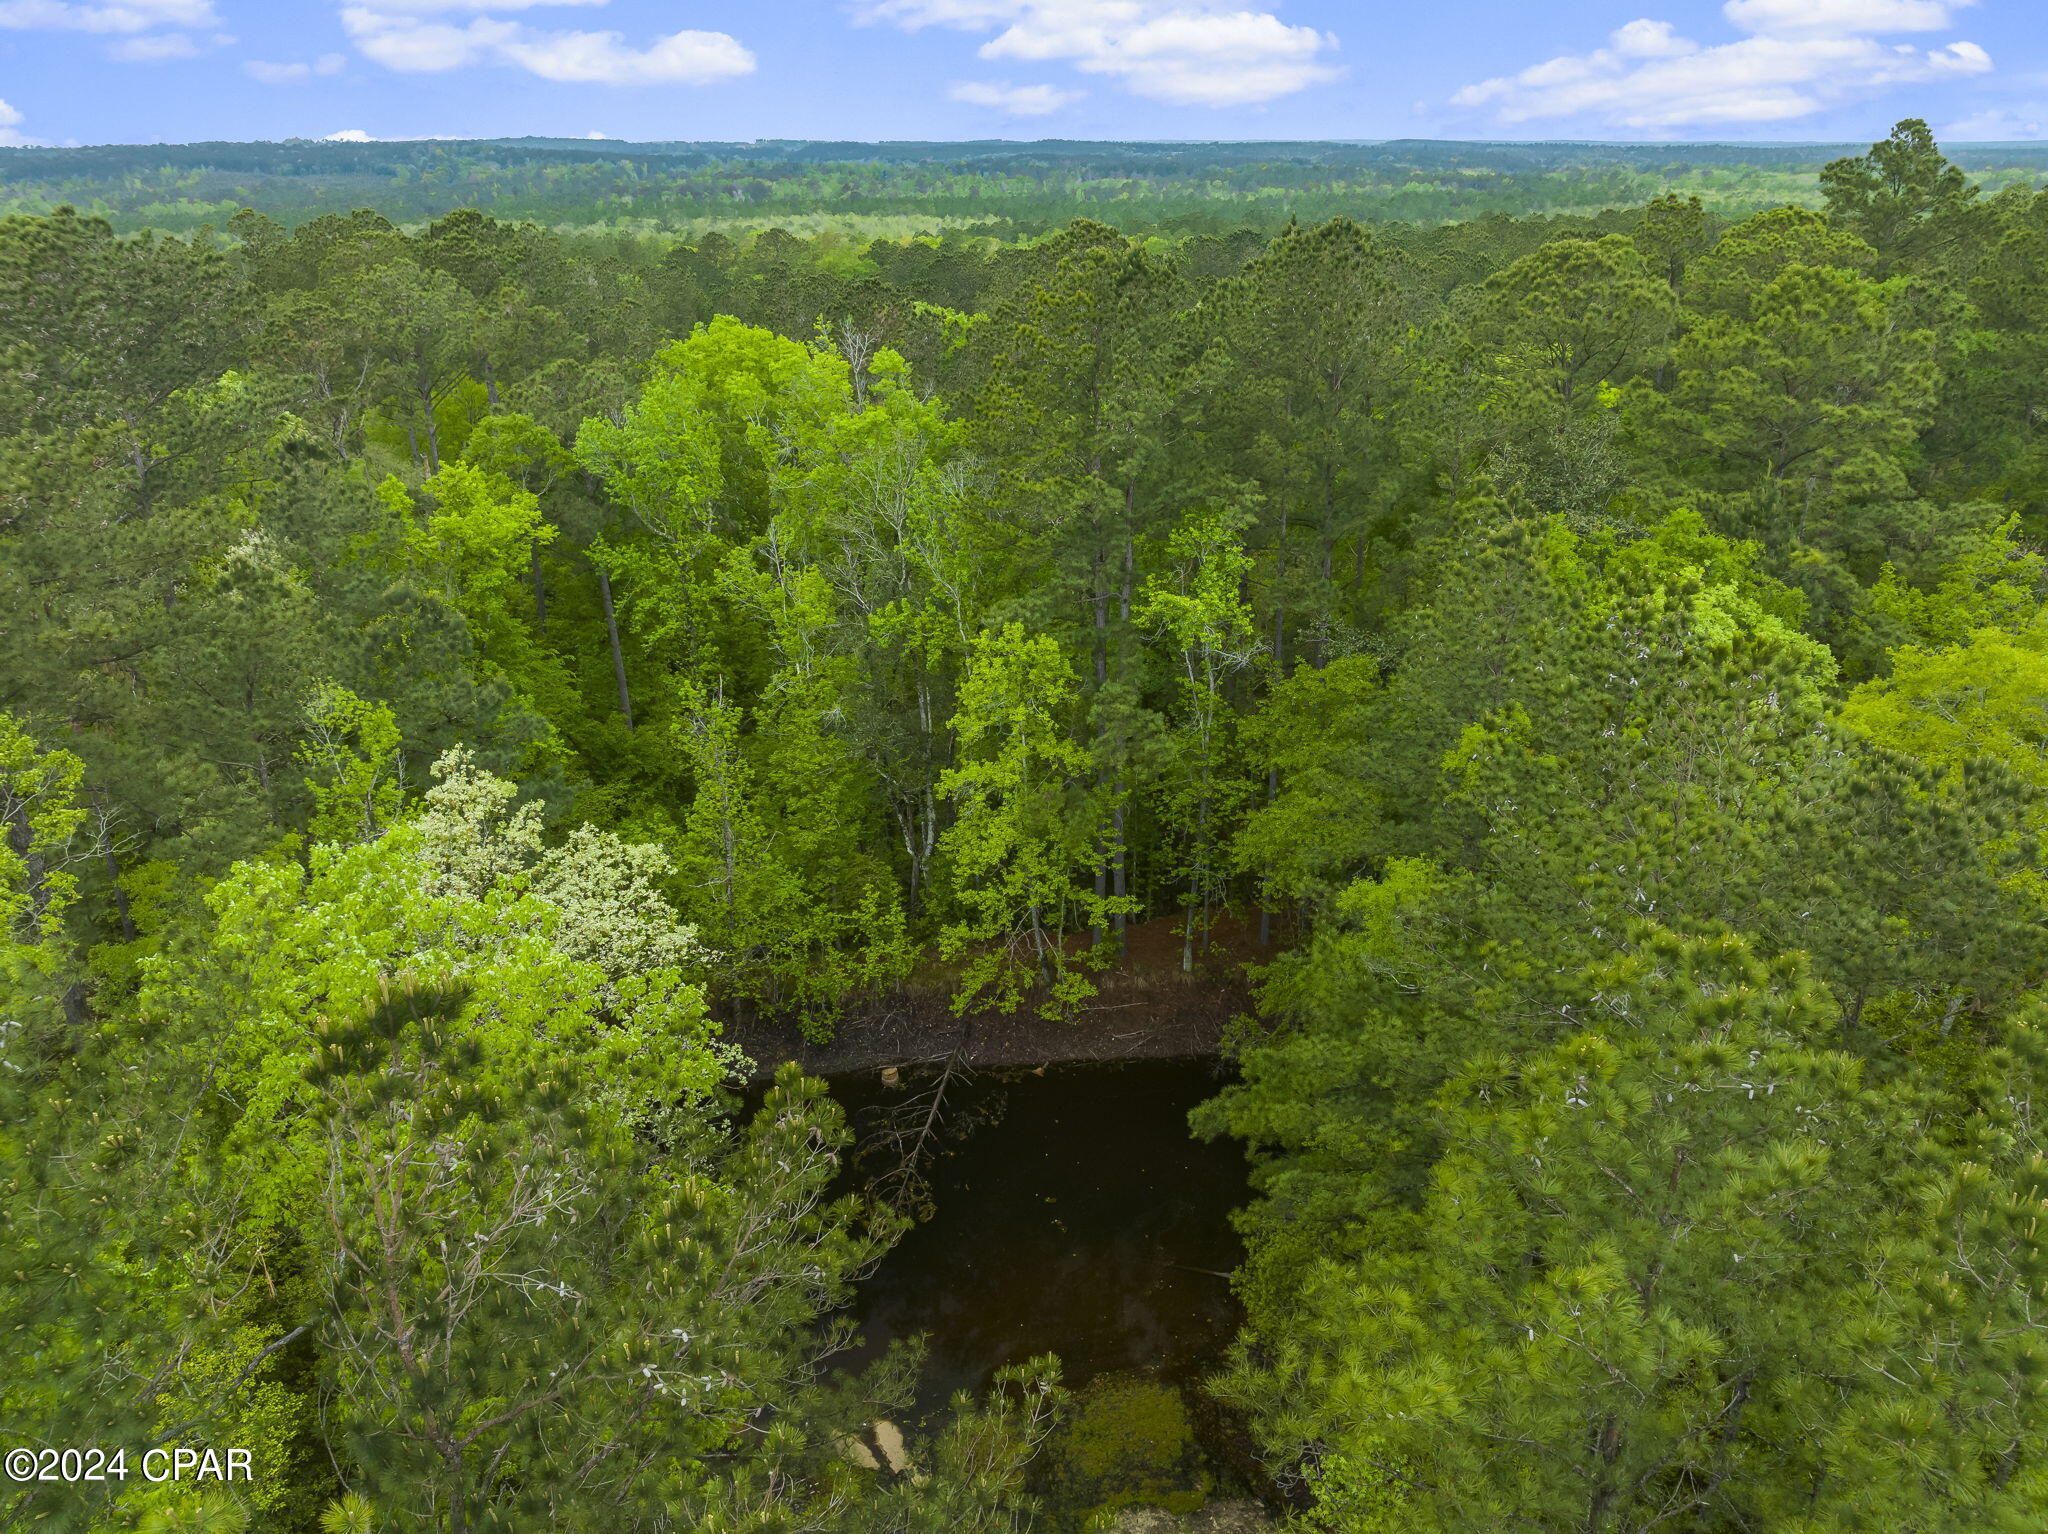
x=899, y=1140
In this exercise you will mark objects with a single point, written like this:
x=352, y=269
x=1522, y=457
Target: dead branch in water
x=908, y=1136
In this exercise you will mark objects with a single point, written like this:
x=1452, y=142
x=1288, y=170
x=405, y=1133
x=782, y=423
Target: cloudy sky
x=128, y=71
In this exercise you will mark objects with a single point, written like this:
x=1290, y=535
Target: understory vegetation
x=452, y=677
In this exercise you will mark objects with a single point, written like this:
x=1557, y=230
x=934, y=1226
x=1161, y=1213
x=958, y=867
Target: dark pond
x=1072, y=1214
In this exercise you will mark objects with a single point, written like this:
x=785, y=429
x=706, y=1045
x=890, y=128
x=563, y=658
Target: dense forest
x=454, y=677
x=996, y=189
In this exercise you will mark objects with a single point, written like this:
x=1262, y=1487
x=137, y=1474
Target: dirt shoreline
x=1148, y=1009
x=911, y=1029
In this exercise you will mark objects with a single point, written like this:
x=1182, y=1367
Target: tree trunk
x=35, y=872
x=1099, y=600
x=1104, y=851
x=1120, y=876
x=433, y=432
x=114, y=873
x=1265, y=911
x=1280, y=601
x=611, y=628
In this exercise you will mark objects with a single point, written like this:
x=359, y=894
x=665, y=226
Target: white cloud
x=125, y=17
x=162, y=47
x=1185, y=54
x=1651, y=40
x=393, y=33
x=602, y=58
x=438, y=7
x=133, y=24
x=10, y=123
x=358, y=136
x=1017, y=100
x=1841, y=18
x=423, y=47
x=294, y=73
x=1998, y=126
x=154, y=48
x=1799, y=57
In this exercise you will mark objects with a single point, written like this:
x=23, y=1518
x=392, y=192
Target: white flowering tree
x=467, y=1085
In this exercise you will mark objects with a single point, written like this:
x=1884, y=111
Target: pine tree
x=1903, y=196
x=1633, y=1283
x=529, y=1317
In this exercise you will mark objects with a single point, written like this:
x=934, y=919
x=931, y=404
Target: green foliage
x=771, y=871
x=352, y=751
x=1901, y=196
x=850, y=194
x=1994, y=581
x=1956, y=708
x=487, y=1306
x=1663, y=757
x=452, y=672
x=39, y=807
x=1314, y=734
x=1202, y=611
x=1630, y=1242
x=1027, y=832
x=1728, y=277
x=1574, y=315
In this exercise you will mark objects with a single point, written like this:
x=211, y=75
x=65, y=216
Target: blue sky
x=130, y=71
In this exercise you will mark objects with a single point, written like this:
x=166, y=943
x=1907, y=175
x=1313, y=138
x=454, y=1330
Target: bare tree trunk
x=114, y=869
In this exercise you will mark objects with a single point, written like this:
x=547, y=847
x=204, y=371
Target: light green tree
x=1954, y=708
x=1201, y=612
x=357, y=771
x=1026, y=843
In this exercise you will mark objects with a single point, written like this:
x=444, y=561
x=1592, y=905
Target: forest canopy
x=999, y=189
x=457, y=671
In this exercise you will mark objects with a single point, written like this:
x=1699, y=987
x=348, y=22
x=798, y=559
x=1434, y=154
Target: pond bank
x=1147, y=1009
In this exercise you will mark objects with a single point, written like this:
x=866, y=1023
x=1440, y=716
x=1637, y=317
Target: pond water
x=1072, y=1213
